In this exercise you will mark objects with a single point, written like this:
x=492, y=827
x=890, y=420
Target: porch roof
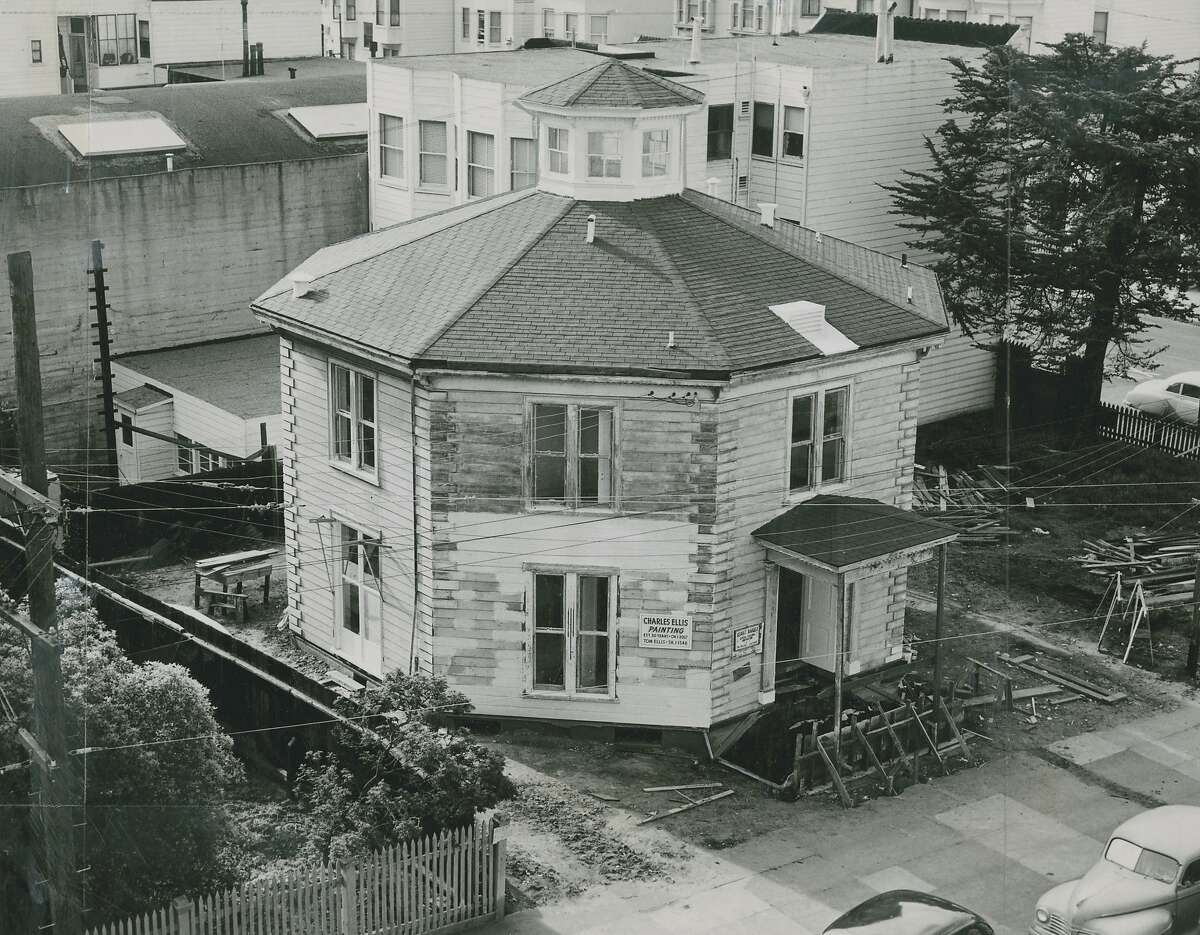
x=840, y=533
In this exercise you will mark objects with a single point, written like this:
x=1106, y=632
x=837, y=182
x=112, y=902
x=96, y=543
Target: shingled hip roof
x=512, y=284
x=615, y=84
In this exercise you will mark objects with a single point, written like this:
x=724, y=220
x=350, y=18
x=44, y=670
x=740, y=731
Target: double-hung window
x=598, y=26
x=1100, y=27
x=35, y=51
x=144, y=38
x=208, y=459
x=548, y=24
x=184, y=459
x=394, y=12
x=572, y=455
x=793, y=133
x=466, y=22
x=522, y=163
x=720, y=131
x=494, y=29
x=351, y=9
x=733, y=15
x=810, y=7
x=570, y=26
x=126, y=429
x=747, y=15
x=391, y=146
x=556, y=149
x=354, y=427
x=604, y=155
x=573, y=622
x=817, y=438
x=481, y=164
x=379, y=14
x=655, y=152
x=433, y=169
x=763, y=138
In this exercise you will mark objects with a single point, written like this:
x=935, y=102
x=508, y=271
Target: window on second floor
x=556, y=149
x=817, y=439
x=354, y=430
x=763, y=140
x=572, y=455
x=655, y=152
x=734, y=20
x=184, y=459
x=604, y=155
x=1100, y=27
x=598, y=30
x=793, y=133
x=481, y=164
x=810, y=7
x=35, y=51
x=494, y=29
x=720, y=131
x=433, y=158
x=379, y=13
x=394, y=12
x=351, y=9
x=747, y=16
x=522, y=163
x=466, y=22
x=391, y=146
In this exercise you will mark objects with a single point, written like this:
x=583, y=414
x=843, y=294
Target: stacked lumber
x=1073, y=684
x=964, y=502
x=1164, y=565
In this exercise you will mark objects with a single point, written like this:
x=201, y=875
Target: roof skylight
x=332, y=121
x=121, y=136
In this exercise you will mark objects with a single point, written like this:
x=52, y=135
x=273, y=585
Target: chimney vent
x=301, y=284
x=711, y=183
x=591, y=228
x=768, y=213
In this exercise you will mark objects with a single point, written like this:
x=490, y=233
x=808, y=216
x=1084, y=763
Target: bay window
x=556, y=148
x=655, y=152
x=604, y=155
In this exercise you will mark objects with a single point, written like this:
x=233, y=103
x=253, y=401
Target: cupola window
x=655, y=152
x=604, y=155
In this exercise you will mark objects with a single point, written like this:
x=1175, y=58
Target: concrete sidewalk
x=992, y=838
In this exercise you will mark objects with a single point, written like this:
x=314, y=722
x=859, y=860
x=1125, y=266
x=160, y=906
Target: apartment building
x=69, y=46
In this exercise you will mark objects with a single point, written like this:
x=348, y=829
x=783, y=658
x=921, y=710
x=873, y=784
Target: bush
x=402, y=770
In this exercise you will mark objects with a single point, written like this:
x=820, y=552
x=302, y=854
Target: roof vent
x=711, y=183
x=591, y=228
x=768, y=213
x=301, y=284
x=807, y=319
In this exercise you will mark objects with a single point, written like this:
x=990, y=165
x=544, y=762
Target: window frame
x=558, y=135
x=143, y=35
x=351, y=10
x=810, y=7
x=35, y=52
x=657, y=161
x=393, y=12
x=352, y=464
x=818, y=438
x=571, y=499
x=547, y=23
x=605, y=158
x=126, y=429
x=424, y=154
x=182, y=452
x=784, y=133
x=491, y=170
x=495, y=34
x=721, y=134
x=466, y=23
x=367, y=582
x=571, y=26
x=758, y=133
x=400, y=179
x=592, y=33
x=570, y=631
x=119, y=22
x=531, y=172
x=1100, y=33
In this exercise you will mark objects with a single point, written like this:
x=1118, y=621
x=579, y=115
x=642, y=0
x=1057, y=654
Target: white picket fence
x=434, y=884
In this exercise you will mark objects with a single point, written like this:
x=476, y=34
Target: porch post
x=943, y=553
x=839, y=666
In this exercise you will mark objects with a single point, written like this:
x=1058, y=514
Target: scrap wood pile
x=970, y=505
x=1164, y=566
x=1057, y=686
x=689, y=795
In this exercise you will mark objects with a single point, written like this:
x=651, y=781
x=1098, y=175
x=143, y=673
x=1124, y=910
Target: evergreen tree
x=1064, y=199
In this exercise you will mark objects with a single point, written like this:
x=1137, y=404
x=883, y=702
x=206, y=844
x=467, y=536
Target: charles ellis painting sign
x=664, y=631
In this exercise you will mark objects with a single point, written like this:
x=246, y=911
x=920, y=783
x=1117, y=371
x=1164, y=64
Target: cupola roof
x=615, y=84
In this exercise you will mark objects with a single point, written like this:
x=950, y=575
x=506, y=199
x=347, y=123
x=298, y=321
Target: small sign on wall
x=747, y=639
x=664, y=631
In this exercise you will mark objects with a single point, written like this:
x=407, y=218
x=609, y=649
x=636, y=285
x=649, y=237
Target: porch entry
x=806, y=621
x=573, y=618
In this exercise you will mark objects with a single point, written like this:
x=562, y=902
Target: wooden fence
x=1137, y=428
x=435, y=884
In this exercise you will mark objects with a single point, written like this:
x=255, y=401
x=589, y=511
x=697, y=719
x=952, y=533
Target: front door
x=360, y=604
x=573, y=616
x=820, y=624
x=789, y=619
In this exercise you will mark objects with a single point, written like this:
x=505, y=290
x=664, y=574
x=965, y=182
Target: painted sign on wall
x=664, y=631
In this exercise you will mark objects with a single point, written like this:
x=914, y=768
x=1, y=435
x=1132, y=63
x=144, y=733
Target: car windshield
x=1141, y=860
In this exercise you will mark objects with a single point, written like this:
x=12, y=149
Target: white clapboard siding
x=211, y=30
x=957, y=377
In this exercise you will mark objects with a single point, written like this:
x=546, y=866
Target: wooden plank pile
x=1073, y=684
x=970, y=505
x=1164, y=565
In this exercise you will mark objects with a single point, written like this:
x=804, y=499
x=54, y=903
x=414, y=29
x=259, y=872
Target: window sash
x=557, y=145
x=720, y=132
x=143, y=38
x=391, y=146
x=810, y=7
x=466, y=22
x=494, y=29
x=354, y=431
x=184, y=459
x=481, y=164
x=351, y=9
x=603, y=155
x=572, y=455
x=571, y=651
x=598, y=30
x=655, y=152
x=816, y=458
x=548, y=24
x=763, y=141
x=522, y=163
x=432, y=156
x=793, y=133
x=1100, y=26
x=115, y=39
x=800, y=443
x=570, y=25
x=35, y=51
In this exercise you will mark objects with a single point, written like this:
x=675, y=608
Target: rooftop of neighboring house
x=808, y=49
x=219, y=123
x=682, y=284
x=527, y=67
x=942, y=32
x=142, y=397
x=238, y=375
x=314, y=66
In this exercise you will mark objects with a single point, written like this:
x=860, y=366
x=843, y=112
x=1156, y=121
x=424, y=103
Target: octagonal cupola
x=612, y=133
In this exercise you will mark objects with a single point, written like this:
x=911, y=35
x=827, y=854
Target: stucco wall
x=186, y=252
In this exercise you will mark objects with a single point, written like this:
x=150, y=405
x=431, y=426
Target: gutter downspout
x=416, y=564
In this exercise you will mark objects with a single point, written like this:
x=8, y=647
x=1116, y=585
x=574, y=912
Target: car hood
x=1107, y=890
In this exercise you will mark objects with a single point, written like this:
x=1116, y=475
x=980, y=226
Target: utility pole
x=55, y=786
x=104, y=341
x=1194, y=640
x=245, y=42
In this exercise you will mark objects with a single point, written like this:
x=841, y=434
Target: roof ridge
x=680, y=279
x=487, y=287
x=587, y=86
x=824, y=265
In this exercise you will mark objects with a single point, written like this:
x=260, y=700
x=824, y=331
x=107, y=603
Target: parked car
x=1147, y=882
x=1175, y=397
x=908, y=912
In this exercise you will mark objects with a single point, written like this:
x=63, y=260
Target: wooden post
x=499, y=862
x=348, y=874
x=183, y=915
x=57, y=797
x=1194, y=642
x=939, y=621
x=103, y=343
x=839, y=668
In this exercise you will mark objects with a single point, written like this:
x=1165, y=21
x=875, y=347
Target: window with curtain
x=391, y=146
x=604, y=155
x=556, y=149
x=655, y=152
x=763, y=139
x=116, y=39
x=720, y=131
x=433, y=156
x=522, y=163
x=793, y=133
x=481, y=164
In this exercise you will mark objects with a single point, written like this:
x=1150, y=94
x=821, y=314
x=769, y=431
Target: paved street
x=992, y=838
